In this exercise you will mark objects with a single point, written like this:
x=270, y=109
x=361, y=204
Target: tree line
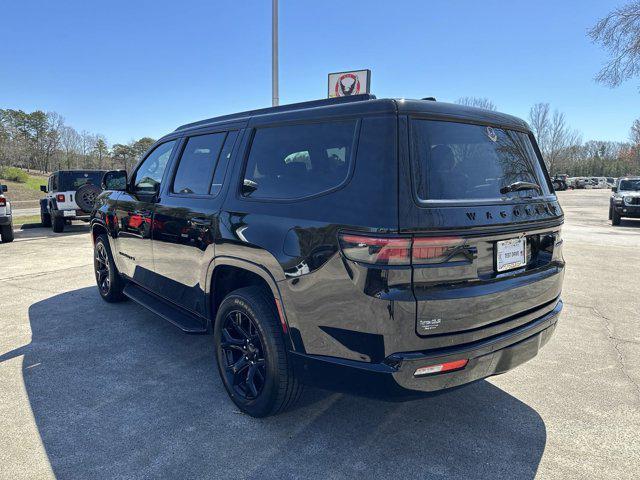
x=41, y=141
x=564, y=150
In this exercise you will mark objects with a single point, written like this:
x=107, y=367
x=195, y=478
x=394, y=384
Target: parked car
x=559, y=182
x=70, y=196
x=379, y=246
x=6, y=219
x=577, y=183
x=625, y=201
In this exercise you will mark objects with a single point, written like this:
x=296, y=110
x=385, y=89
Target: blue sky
x=127, y=69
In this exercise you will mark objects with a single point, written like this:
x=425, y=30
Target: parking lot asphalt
x=96, y=390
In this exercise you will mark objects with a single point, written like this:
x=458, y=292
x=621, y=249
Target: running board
x=185, y=321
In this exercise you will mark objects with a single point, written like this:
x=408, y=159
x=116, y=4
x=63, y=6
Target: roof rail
x=282, y=108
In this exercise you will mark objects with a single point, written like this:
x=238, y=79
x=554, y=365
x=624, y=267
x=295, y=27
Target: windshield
x=629, y=185
x=456, y=161
x=74, y=180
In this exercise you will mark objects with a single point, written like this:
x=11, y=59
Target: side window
x=54, y=183
x=296, y=161
x=149, y=174
x=197, y=163
x=223, y=162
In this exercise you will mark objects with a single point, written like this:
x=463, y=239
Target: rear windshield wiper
x=517, y=186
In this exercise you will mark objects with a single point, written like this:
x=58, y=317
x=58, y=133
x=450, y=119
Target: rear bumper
x=5, y=220
x=77, y=215
x=394, y=377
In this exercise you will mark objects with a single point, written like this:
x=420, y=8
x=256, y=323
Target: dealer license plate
x=511, y=254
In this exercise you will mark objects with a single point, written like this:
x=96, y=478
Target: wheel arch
x=226, y=274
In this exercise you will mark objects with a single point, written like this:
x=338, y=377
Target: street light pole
x=275, y=98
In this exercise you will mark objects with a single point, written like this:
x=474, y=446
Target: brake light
x=441, y=367
x=3, y=201
x=398, y=250
x=435, y=250
x=60, y=197
x=376, y=250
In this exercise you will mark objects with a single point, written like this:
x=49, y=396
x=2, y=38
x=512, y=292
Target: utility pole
x=275, y=98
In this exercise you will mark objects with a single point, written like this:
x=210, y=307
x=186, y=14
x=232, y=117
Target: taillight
x=3, y=201
x=435, y=250
x=376, y=250
x=398, y=250
x=60, y=197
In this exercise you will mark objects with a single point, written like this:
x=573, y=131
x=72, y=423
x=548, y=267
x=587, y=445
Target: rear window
x=457, y=161
x=74, y=180
x=296, y=161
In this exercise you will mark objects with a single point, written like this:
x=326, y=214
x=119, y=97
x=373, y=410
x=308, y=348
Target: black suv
x=380, y=246
x=625, y=201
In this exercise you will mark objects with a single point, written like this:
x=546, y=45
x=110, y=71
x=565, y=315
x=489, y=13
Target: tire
x=6, y=232
x=610, y=211
x=259, y=340
x=615, y=218
x=57, y=224
x=45, y=218
x=110, y=283
x=86, y=196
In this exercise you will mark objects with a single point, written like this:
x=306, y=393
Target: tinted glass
x=149, y=175
x=298, y=160
x=629, y=185
x=223, y=162
x=197, y=164
x=74, y=180
x=456, y=161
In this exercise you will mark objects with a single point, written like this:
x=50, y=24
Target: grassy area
x=17, y=221
x=28, y=191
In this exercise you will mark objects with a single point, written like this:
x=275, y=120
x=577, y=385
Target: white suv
x=70, y=196
x=6, y=222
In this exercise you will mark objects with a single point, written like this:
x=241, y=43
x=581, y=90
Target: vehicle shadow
x=30, y=230
x=117, y=392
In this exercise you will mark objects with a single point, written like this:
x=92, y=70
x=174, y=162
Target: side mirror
x=3, y=188
x=115, y=180
x=614, y=189
x=43, y=188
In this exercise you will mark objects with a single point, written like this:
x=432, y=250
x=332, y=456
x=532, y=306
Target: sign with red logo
x=345, y=84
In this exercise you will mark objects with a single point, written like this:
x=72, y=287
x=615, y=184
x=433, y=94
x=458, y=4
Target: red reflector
x=441, y=367
x=283, y=322
x=3, y=201
x=60, y=197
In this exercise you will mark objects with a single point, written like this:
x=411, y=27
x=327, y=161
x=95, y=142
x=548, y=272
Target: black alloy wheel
x=252, y=355
x=110, y=283
x=102, y=268
x=243, y=355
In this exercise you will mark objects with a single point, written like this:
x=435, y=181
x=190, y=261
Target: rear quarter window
x=457, y=161
x=294, y=161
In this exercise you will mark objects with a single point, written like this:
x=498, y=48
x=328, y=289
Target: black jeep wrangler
x=69, y=196
x=379, y=246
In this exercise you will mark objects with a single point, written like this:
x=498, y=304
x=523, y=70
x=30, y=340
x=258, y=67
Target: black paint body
x=350, y=325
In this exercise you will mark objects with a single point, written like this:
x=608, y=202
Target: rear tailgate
x=463, y=291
